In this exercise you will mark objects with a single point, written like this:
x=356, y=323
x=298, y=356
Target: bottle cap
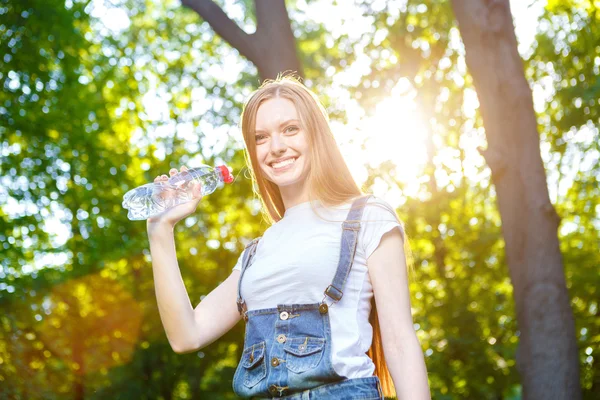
x=227, y=178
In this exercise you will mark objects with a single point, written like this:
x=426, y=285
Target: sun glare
x=395, y=132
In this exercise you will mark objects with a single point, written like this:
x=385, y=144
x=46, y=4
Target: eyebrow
x=280, y=125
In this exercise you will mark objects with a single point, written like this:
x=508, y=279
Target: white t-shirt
x=296, y=260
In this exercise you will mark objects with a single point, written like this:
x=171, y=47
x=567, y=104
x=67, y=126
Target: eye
x=259, y=137
x=291, y=128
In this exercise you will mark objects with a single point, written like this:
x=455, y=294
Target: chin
x=284, y=181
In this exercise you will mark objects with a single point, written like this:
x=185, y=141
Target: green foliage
x=75, y=137
x=89, y=112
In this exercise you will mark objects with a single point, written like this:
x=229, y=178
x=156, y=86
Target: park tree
x=271, y=48
x=529, y=220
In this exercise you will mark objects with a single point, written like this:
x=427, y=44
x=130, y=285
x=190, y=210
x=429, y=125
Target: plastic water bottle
x=151, y=199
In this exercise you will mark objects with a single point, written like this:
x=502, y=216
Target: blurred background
x=100, y=96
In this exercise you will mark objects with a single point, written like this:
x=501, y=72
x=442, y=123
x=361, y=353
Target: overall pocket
x=253, y=362
x=303, y=353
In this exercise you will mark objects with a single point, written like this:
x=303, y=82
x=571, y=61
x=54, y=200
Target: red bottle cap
x=227, y=178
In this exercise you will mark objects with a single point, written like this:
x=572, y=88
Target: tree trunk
x=547, y=357
x=272, y=48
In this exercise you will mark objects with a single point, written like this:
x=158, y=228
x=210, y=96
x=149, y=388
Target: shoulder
x=376, y=207
x=379, y=217
x=253, y=242
x=250, y=245
x=378, y=200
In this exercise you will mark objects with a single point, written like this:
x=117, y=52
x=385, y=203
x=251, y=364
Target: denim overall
x=287, y=350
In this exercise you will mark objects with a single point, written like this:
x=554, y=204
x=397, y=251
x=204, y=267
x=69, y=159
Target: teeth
x=283, y=163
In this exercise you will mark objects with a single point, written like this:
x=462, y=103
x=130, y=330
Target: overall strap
x=249, y=252
x=348, y=248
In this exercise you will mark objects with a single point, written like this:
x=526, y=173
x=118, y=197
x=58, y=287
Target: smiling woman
x=322, y=286
x=306, y=188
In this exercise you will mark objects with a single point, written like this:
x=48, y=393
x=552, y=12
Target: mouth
x=283, y=164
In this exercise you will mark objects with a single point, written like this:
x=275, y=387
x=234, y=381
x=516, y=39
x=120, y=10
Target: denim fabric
x=356, y=389
x=287, y=349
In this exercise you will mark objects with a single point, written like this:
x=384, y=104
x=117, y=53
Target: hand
x=175, y=214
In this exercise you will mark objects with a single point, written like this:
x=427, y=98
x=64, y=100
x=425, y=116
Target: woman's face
x=281, y=144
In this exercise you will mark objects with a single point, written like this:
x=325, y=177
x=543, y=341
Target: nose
x=278, y=146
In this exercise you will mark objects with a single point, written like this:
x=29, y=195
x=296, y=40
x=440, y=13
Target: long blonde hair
x=329, y=179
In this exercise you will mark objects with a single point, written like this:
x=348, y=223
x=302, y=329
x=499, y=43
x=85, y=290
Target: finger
x=172, y=171
x=184, y=168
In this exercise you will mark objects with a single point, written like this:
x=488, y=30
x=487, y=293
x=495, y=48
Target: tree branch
x=223, y=26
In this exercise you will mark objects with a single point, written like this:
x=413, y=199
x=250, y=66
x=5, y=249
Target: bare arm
x=403, y=353
x=187, y=329
x=218, y=312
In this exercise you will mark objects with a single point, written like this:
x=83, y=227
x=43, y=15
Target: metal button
x=273, y=389
x=323, y=308
x=281, y=338
x=284, y=315
x=274, y=361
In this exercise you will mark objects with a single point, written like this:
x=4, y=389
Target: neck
x=294, y=194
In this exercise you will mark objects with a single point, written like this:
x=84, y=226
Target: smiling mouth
x=283, y=164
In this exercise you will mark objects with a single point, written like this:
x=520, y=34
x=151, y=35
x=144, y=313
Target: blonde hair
x=329, y=180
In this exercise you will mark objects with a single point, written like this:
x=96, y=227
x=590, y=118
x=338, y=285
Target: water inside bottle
x=151, y=199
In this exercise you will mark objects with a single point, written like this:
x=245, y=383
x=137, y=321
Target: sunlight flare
x=396, y=132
